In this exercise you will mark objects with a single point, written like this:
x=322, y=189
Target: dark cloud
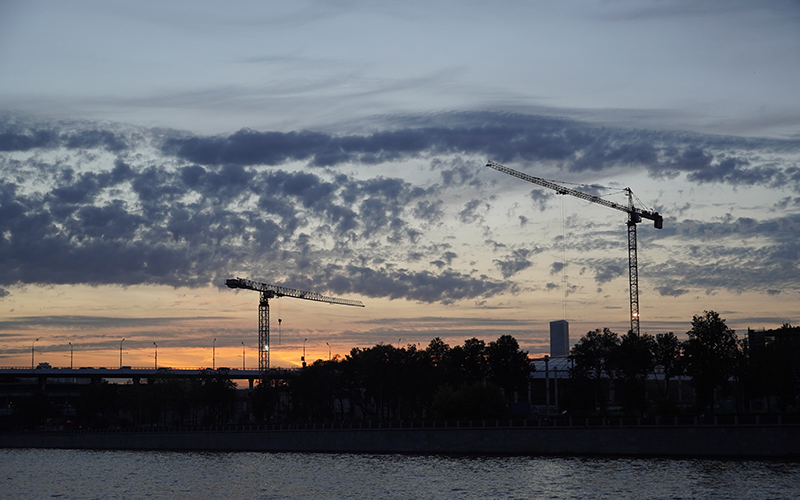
x=782, y=229
x=195, y=224
x=25, y=141
x=248, y=147
x=429, y=211
x=669, y=291
x=22, y=137
x=458, y=175
x=540, y=197
x=208, y=207
x=607, y=270
x=787, y=202
x=425, y=286
x=507, y=138
x=471, y=212
x=94, y=139
x=90, y=322
x=765, y=258
x=515, y=262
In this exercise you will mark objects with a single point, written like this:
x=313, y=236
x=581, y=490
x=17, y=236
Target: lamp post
x=303, y=359
x=243, y=360
x=120, y=353
x=33, y=365
x=70, y=355
x=547, y=384
x=156, y=362
x=214, y=355
x=329, y=350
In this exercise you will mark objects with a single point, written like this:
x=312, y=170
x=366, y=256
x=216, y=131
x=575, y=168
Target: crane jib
x=267, y=292
x=282, y=291
x=635, y=213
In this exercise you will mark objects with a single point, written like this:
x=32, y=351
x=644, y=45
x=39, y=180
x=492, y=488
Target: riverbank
x=579, y=437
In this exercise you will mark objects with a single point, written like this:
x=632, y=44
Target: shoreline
x=485, y=437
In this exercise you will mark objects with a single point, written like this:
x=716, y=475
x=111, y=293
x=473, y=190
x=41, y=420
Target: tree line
x=718, y=363
x=472, y=381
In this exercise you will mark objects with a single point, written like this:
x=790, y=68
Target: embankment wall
x=685, y=440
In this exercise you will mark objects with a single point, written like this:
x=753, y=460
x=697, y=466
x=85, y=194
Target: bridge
x=137, y=373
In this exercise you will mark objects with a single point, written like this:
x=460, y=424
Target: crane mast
x=635, y=216
x=267, y=292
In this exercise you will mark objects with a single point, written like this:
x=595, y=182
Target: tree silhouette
x=593, y=356
x=509, y=367
x=263, y=400
x=667, y=355
x=632, y=360
x=470, y=402
x=469, y=361
x=711, y=354
x=217, y=394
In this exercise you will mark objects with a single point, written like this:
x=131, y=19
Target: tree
x=374, y=377
x=592, y=355
x=469, y=361
x=667, y=355
x=509, y=366
x=97, y=405
x=314, y=390
x=773, y=364
x=35, y=410
x=217, y=394
x=263, y=400
x=711, y=353
x=438, y=350
x=470, y=402
x=631, y=361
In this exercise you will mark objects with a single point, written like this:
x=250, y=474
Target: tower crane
x=270, y=292
x=635, y=216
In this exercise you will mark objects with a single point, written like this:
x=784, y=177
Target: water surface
x=77, y=474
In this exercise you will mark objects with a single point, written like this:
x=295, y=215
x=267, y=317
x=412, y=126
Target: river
x=78, y=474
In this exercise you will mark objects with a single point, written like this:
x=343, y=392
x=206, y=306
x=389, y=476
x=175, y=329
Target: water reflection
x=73, y=474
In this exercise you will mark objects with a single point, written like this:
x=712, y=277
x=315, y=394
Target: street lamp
x=32, y=356
x=243, y=363
x=214, y=355
x=329, y=350
x=156, y=362
x=547, y=384
x=70, y=355
x=303, y=359
x=120, y=353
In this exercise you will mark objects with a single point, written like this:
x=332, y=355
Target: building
x=559, y=338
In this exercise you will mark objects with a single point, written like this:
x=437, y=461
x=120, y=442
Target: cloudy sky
x=150, y=150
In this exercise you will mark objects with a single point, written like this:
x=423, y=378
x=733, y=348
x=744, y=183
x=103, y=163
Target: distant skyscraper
x=559, y=338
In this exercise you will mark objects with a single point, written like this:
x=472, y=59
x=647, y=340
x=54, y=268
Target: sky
x=151, y=150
